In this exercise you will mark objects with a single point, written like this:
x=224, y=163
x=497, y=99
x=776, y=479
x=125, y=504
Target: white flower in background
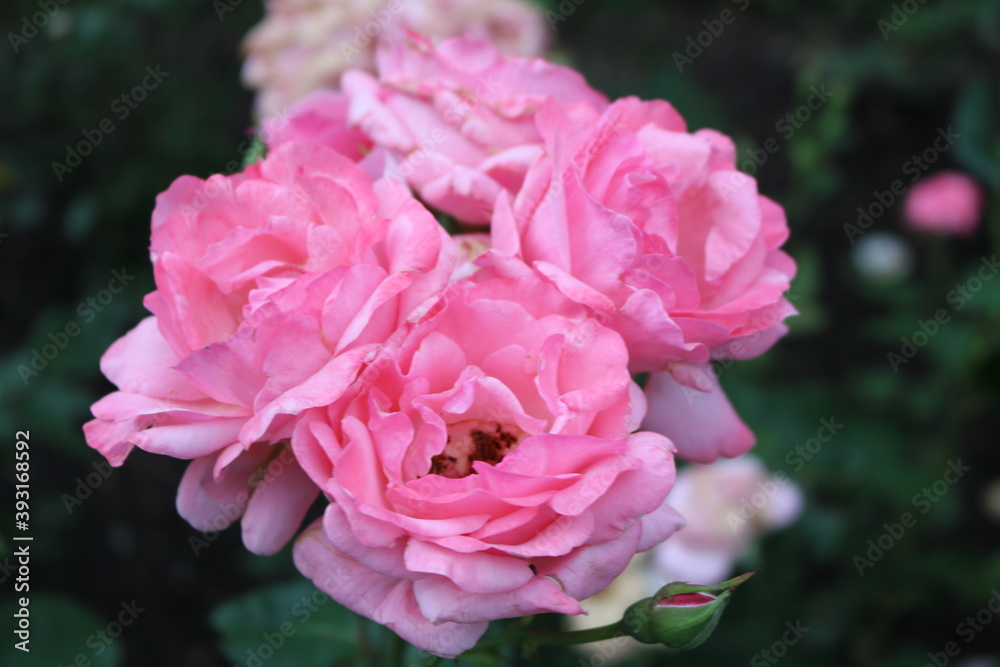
x=991, y=500
x=727, y=504
x=303, y=45
x=882, y=256
x=978, y=661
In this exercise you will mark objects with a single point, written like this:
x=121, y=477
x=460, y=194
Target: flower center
x=472, y=441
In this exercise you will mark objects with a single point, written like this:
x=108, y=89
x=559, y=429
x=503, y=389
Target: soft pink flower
x=485, y=469
x=305, y=45
x=459, y=117
x=273, y=286
x=319, y=118
x=727, y=505
x=948, y=202
x=653, y=229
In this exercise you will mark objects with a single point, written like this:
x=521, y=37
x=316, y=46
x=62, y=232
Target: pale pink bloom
x=470, y=247
x=459, y=117
x=273, y=287
x=485, y=469
x=727, y=505
x=653, y=229
x=306, y=45
x=949, y=202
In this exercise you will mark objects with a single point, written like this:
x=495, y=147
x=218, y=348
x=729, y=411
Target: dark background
x=104, y=542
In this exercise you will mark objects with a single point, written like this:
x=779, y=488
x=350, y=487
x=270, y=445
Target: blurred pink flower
x=305, y=45
x=273, y=286
x=727, y=505
x=319, y=118
x=948, y=202
x=486, y=468
x=459, y=117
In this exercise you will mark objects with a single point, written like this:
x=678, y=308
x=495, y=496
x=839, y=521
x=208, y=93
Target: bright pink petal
x=278, y=505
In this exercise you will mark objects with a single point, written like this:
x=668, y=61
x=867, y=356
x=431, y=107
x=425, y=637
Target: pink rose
x=727, y=505
x=948, y=202
x=486, y=468
x=319, y=118
x=654, y=230
x=273, y=286
x=305, y=45
x=459, y=117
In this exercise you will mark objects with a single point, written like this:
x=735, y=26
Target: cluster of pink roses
x=464, y=404
x=304, y=45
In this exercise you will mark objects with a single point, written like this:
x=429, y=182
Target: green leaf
x=257, y=151
x=483, y=658
x=61, y=630
x=976, y=149
x=292, y=625
x=804, y=294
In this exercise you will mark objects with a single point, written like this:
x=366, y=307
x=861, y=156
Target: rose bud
x=680, y=615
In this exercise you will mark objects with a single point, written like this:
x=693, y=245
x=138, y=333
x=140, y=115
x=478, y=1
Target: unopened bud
x=680, y=615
